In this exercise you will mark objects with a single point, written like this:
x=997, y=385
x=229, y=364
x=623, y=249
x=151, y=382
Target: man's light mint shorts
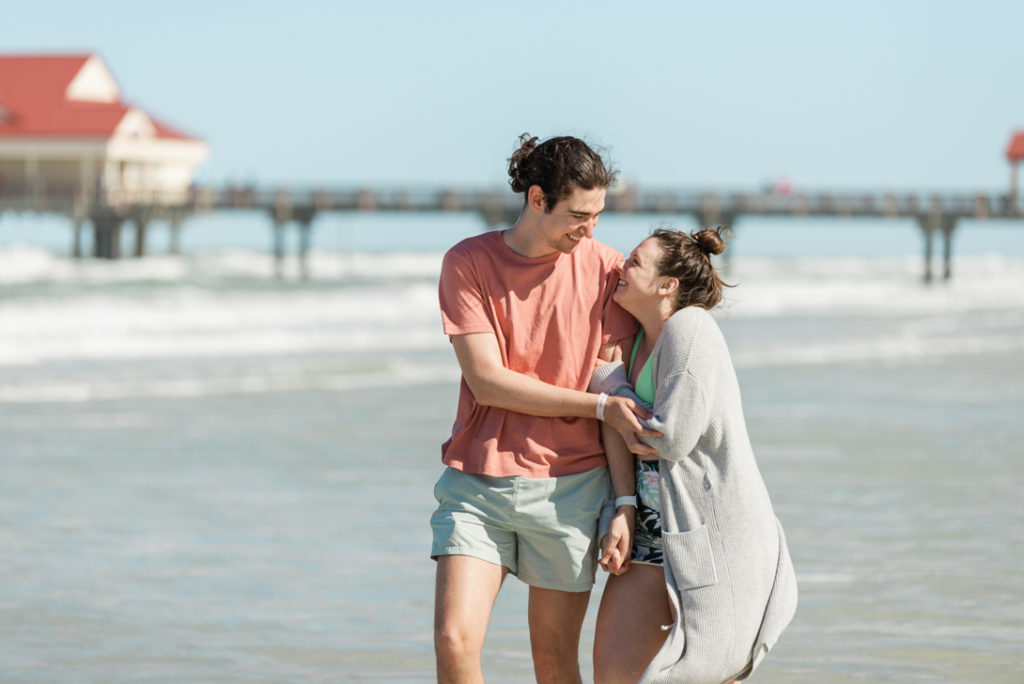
x=544, y=530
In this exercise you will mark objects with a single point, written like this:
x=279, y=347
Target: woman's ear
x=668, y=286
x=535, y=198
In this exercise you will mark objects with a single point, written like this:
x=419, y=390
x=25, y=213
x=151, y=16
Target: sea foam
x=221, y=322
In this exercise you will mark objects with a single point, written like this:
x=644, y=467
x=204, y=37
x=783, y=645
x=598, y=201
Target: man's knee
x=456, y=643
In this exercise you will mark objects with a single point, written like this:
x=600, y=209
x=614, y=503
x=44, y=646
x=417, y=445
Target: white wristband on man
x=602, y=399
x=625, y=501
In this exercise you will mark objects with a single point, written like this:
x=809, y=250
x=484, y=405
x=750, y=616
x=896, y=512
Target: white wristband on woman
x=602, y=399
x=625, y=501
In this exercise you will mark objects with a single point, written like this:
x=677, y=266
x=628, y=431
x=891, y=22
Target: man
x=529, y=312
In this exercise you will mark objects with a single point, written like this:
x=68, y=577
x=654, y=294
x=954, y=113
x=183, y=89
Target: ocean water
x=210, y=475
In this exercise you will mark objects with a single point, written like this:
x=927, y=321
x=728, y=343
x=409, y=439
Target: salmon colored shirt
x=550, y=315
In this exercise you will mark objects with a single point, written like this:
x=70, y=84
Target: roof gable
x=93, y=83
x=135, y=124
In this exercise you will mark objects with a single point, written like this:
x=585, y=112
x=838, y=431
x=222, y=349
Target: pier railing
x=937, y=213
x=493, y=202
x=631, y=200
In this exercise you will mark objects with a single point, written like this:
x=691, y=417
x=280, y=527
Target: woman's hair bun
x=710, y=240
x=687, y=257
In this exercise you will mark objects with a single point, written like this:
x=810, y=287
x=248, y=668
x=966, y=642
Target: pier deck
x=936, y=214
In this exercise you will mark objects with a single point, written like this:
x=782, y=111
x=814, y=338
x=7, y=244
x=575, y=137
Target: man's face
x=573, y=219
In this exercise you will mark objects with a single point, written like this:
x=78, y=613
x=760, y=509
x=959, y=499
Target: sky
x=894, y=95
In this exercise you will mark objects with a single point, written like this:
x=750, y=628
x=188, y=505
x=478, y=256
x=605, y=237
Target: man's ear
x=535, y=198
x=668, y=286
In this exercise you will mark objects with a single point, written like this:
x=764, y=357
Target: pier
x=937, y=214
x=122, y=166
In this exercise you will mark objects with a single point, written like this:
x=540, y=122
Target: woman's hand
x=617, y=544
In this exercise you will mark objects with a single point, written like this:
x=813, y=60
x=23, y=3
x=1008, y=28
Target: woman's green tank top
x=645, y=381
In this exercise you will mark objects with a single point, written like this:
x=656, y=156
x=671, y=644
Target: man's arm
x=494, y=385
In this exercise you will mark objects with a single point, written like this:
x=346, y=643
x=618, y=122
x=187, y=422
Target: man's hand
x=617, y=544
x=621, y=414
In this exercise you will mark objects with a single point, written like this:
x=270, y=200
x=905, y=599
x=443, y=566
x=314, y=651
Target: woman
x=709, y=559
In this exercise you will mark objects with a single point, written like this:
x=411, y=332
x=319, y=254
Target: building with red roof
x=1014, y=155
x=1015, y=150
x=66, y=132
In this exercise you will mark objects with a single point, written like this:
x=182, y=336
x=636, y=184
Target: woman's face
x=639, y=280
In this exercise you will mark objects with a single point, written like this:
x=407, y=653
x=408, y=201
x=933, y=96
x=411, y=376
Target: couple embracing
x=599, y=422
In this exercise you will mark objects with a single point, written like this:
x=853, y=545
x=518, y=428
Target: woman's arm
x=617, y=521
x=680, y=416
x=617, y=542
x=680, y=404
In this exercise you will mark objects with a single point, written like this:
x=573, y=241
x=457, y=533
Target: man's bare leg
x=556, y=619
x=464, y=596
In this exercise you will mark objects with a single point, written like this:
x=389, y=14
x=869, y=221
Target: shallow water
x=206, y=477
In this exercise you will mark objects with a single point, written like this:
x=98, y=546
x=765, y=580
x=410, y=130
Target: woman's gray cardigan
x=727, y=568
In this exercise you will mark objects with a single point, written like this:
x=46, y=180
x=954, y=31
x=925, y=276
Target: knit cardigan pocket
x=690, y=557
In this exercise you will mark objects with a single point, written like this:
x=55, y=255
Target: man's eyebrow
x=580, y=212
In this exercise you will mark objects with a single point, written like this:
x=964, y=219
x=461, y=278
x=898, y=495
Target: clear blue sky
x=901, y=95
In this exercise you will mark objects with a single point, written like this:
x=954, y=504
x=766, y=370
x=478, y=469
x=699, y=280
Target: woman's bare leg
x=629, y=624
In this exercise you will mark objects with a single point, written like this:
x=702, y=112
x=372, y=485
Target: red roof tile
x=33, y=103
x=1015, y=150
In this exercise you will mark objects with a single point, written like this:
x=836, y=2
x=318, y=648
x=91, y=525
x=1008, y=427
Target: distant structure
x=71, y=145
x=936, y=214
x=1014, y=155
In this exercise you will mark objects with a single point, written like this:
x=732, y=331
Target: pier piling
x=945, y=226
x=177, y=218
x=948, y=226
x=76, y=238
x=305, y=219
x=929, y=233
x=279, y=236
x=107, y=236
x=141, y=223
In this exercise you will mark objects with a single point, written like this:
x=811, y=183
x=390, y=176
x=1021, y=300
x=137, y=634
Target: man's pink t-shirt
x=550, y=315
